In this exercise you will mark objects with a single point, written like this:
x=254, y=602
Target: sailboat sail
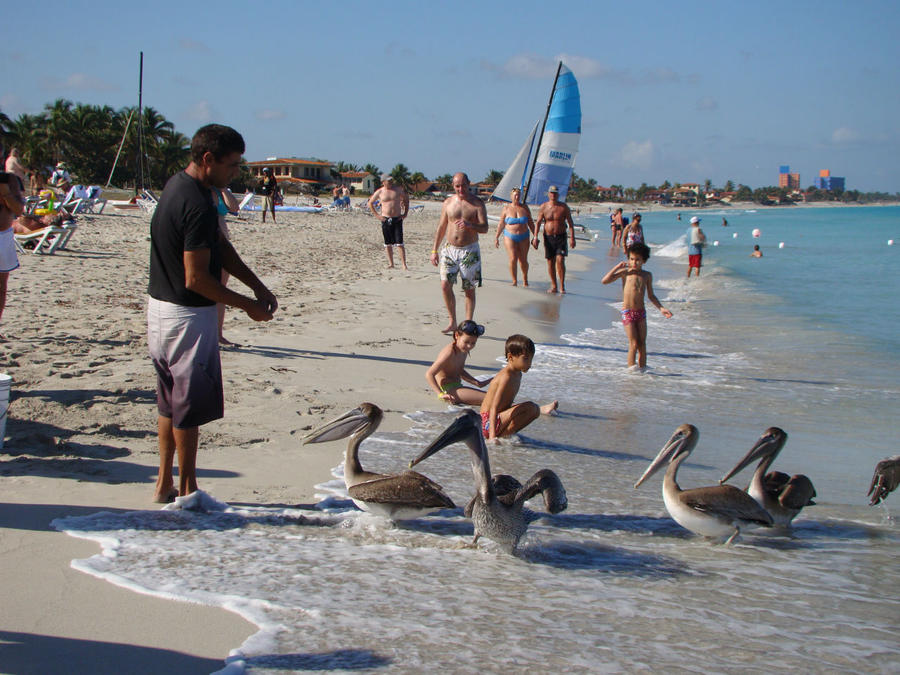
x=517, y=174
x=554, y=160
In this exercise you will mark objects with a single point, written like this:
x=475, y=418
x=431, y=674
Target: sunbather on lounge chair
x=27, y=224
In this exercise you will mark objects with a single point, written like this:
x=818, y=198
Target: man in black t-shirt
x=187, y=256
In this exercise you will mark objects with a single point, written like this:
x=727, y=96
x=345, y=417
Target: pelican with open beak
x=497, y=508
x=781, y=495
x=716, y=511
x=396, y=496
x=885, y=479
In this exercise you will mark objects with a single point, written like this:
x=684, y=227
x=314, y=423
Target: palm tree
x=707, y=186
x=416, y=178
x=444, y=182
x=493, y=177
x=729, y=186
x=56, y=129
x=400, y=174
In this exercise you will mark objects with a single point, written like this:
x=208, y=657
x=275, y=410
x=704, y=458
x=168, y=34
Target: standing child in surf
x=636, y=282
x=447, y=373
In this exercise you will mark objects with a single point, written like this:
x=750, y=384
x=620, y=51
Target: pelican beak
x=345, y=425
x=670, y=450
x=460, y=429
x=768, y=444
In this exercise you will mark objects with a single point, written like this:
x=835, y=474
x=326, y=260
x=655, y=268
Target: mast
x=119, y=152
x=140, y=125
x=541, y=137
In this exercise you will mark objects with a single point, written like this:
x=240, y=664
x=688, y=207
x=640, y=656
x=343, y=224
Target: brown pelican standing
x=716, y=511
x=397, y=496
x=885, y=479
x=781, y=495
x=497, y=508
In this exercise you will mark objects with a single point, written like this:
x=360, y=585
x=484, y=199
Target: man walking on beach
x=696, y=240
x=187, y=256
x=555, y=215
x=394, y=205
x=463, y=218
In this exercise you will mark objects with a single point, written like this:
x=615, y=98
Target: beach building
x=686, y=194
x=826, y=181
x=606, y=193
x=360, y=181
x=788, y=180
x=295, y=171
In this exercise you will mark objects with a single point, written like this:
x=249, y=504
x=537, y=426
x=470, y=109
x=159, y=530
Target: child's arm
x=616, y=272
x=651, y=296
x=471, y=380
x=438, y=367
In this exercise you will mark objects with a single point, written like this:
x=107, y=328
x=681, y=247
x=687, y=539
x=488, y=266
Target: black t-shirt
x=184, y=220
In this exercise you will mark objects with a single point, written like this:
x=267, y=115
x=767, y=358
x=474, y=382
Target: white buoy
x=756, y=233
x=890, y=242
x=716, y=242
x=780, y=244
x=734, y=236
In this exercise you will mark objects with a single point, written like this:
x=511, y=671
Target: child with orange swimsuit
x=635, y=283
x=447, y=373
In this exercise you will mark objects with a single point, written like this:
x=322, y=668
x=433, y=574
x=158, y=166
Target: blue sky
x=683, y=91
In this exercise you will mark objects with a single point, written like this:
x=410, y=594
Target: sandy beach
x=81, y=431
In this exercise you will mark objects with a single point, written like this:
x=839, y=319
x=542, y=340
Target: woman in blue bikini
x=517, y=229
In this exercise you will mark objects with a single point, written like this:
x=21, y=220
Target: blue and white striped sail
x=554, y=160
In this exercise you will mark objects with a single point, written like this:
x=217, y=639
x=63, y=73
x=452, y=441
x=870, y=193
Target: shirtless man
x=12, y=204
x=463, y=218
x=555, y=215
x=394, y=207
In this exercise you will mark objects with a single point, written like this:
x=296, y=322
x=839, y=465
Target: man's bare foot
x=513, y=283
x=224, y=341
x=552, y=290
x=449, y=330
x=525, y=283
x=390, y=267
x=406, y=268
x=563, y=290
x=550, y=408
x=165, y=496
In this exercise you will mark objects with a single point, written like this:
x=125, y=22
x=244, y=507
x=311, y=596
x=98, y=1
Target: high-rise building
x=788, y=180
x=826, y=181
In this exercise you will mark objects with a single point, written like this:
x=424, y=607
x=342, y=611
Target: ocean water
x=805, y=338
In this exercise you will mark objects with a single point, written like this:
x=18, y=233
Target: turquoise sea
x=805, y=338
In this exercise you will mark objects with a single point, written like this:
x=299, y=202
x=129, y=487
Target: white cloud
x=202, y=111
x=844, y=135
x=535, y=67
x=192, y=45
x=638, y=154
x=269, y=114
x=707, y=103
x=79, y=82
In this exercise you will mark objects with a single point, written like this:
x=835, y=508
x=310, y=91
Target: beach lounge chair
x=45, y=240
x=245, y=208
x=147, y=201
x=92, y=202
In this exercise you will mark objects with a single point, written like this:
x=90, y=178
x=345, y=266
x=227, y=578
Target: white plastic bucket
x=5, y=382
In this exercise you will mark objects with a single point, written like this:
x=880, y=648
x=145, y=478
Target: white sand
x=81, y=434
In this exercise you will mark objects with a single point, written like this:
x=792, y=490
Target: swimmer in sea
x=517, y=229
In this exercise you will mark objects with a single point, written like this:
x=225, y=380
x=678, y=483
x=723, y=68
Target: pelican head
x=680, y=443
x=365, y=417
x=466, y=427
x=768, y=446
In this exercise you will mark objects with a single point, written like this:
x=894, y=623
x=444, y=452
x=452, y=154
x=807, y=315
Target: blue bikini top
x=517, y=221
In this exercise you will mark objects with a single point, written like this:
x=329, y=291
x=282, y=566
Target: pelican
x=396, y=496
x=781, y=495
x=716, y=511
x=496, y=509
x=885, y=479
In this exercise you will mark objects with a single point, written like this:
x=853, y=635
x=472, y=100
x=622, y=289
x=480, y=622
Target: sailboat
x=548, y=155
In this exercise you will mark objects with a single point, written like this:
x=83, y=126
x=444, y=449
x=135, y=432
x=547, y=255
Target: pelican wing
x=775, y=481
x=885, y=480
x=548, y=483
x=727, y=502
x=505, y=488
x=797, y=493
x=408, y=488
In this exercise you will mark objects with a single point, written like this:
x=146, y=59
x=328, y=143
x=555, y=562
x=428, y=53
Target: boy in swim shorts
x=499, y=415
x=636, y=281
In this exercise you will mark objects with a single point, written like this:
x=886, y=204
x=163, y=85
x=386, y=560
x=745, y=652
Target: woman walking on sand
x=517, y=229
